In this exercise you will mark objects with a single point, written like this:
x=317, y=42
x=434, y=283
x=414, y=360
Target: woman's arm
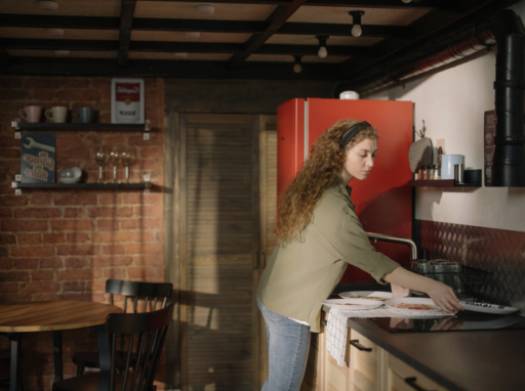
x=441, y=294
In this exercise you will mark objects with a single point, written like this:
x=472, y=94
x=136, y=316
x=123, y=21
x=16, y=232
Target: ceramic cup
x=31, y=113
x=56, y=114
x=447, y=165
x=85, y=115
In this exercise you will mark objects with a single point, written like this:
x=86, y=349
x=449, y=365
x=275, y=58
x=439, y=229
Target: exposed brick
x=66, y=275
x=28, y=225
x=111, y=212
x=75, y=199
x=29, y=238
x=39, y=275
x=27, y=289
x=114, y=260
x=74, y=249
x=37, y=213
x=6, y=212
x=26, y=264
x=71, y=225
x=7, y=238
x=32, y=251
x=78, y=237
x=74, y=212
x=125, y=236
x=14, y=276
x=75, y=262
x=55, y=237
x=53, y=263
x=41, y=198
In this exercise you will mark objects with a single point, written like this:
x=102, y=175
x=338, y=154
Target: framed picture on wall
x=127, y=101
x=490, y=145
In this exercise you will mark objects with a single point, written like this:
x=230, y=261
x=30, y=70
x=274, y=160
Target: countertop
x=458, y=360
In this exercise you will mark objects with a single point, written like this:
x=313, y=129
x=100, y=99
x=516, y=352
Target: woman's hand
x=443, y=296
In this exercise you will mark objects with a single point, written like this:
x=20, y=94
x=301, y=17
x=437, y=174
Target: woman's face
x=359, y=159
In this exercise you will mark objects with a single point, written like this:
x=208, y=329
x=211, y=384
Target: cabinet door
x=365, y=363
x=402, y=377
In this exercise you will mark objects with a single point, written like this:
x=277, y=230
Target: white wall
x=453, y=103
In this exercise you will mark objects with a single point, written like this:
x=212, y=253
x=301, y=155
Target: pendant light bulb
x=322, y=52
x=297, y=67
x=357, y=28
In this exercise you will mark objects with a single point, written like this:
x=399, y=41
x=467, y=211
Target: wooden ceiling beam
x=212, y=26
x=273, y=23
x=175, y=69
x=337, y=3
x=127, y=11
x=174, y=47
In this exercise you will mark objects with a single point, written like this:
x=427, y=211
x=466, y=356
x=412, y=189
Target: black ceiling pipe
x=509, y=155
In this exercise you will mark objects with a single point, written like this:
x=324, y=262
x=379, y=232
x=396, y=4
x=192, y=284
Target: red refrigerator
x=384, y=201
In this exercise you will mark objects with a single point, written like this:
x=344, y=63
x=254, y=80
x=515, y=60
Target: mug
x=31, y=113
x=85, y=115
x=447, y=165
x=56, y=114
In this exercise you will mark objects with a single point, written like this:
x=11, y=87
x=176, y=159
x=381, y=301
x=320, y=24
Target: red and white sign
x=127, y=101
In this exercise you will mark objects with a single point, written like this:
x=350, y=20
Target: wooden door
x=217, y=250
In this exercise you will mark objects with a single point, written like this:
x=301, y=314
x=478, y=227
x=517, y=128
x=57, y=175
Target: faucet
x=395, y=239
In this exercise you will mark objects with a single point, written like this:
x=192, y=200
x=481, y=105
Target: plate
x=415, y=307
x=350, y=304
x=375, y=295
x=488, y=308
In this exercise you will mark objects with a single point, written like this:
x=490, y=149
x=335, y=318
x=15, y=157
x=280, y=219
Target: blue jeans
x=288, y=346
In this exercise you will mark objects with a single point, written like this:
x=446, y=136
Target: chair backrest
x=132, y=366
x=139, y=296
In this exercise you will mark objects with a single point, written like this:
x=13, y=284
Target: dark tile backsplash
x=493, y=259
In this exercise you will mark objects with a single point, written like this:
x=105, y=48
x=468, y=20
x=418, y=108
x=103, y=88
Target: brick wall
x=65, y=244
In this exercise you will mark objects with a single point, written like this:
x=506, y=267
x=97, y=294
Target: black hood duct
x=509, y=155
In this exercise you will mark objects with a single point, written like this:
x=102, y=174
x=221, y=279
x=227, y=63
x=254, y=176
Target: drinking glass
x=101, y=157
x=114, y=158
x=127, y=156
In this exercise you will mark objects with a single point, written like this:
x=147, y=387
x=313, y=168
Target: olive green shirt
x=302, y=273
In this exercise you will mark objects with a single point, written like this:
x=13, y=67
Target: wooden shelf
x=68, y=126
x=84, y=186
x=444, y=183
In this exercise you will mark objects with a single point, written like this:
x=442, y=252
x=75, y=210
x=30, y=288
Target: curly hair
x=321, y=171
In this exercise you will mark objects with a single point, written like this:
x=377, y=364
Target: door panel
x=219, y=237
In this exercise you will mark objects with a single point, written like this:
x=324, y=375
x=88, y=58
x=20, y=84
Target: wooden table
x=54, y=316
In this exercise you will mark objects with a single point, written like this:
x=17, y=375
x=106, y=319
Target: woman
x=319, y=233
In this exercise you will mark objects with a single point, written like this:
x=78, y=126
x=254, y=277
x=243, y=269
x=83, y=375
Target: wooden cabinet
x=367, y=368
x=366, y=364
x=363, y=369
x=402, y=377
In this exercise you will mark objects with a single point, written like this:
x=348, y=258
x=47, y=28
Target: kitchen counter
x=457, y=360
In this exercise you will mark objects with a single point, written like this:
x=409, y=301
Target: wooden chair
x=134, y=297
x=141, y=337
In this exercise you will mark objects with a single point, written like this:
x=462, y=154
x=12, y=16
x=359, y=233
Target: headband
x=352, y=131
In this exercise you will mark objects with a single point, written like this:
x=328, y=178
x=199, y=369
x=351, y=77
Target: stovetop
x=463, y=321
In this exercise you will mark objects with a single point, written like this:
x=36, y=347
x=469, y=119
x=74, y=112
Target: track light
x=357, y=28
x=323, y=51
x=297, y=66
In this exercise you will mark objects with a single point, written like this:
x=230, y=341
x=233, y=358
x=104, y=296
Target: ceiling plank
x=213, y=26
x=274, y=22
x=337, y=3
x=173, y=47
x=127, y=11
